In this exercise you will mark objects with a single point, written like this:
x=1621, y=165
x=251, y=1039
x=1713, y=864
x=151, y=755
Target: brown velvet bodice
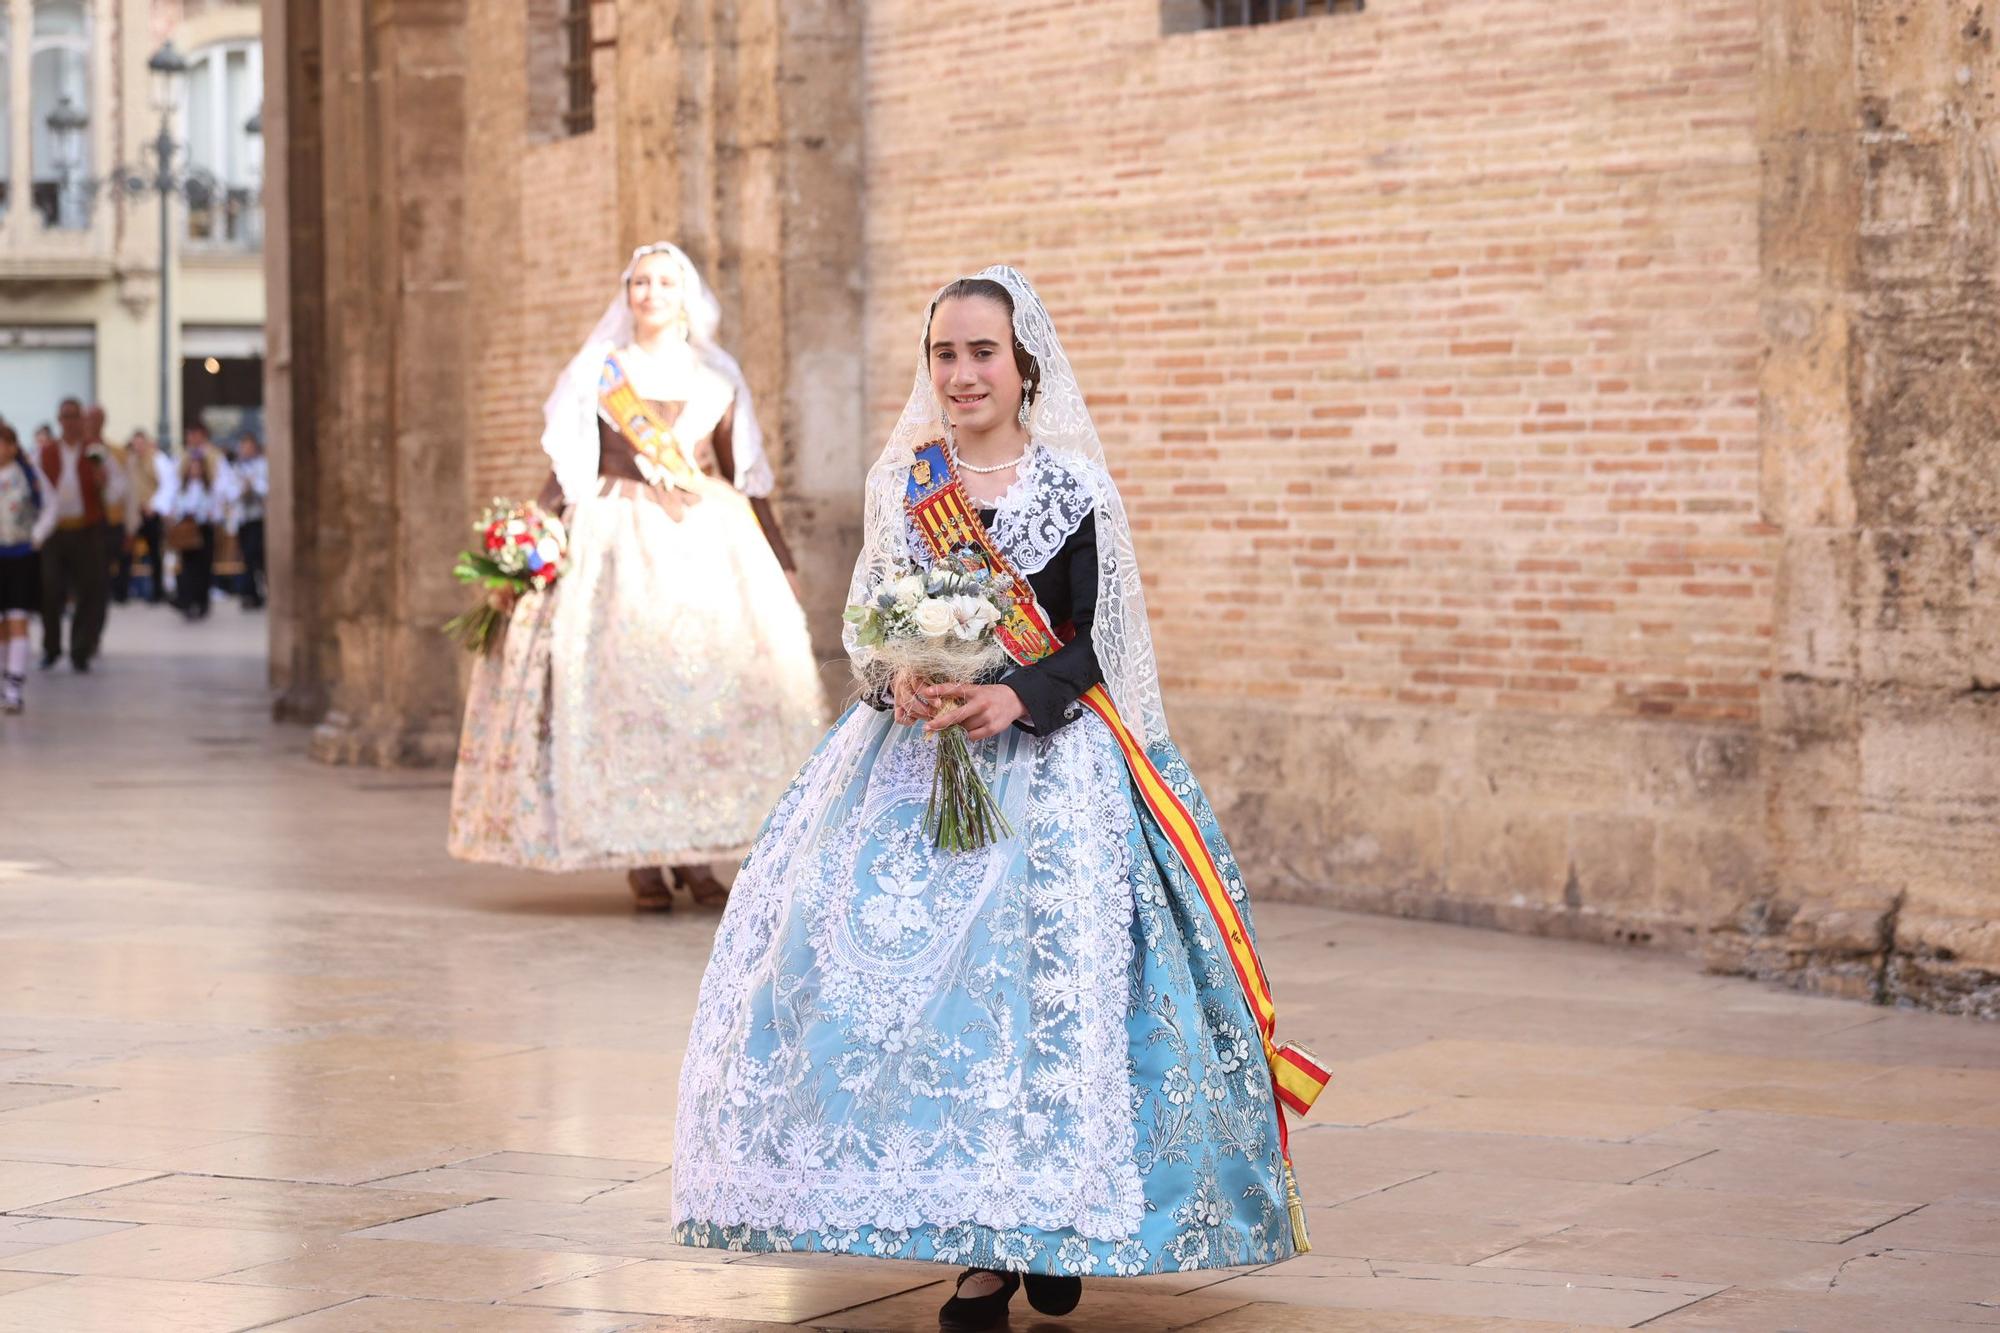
x=618, y=465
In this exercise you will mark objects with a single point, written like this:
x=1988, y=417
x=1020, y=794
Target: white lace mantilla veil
x=569, y=417
x=1060, y=422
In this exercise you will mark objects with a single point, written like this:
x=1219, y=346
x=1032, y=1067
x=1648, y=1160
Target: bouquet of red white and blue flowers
x=521, y=550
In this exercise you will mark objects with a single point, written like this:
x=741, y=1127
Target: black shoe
x=963, y=1315
x=81, y=665
x=1054, y=1295
x=49, y=660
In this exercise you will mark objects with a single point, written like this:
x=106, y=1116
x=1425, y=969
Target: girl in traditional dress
x=27, y=517
x=1048, y=1057
x=197, y=508
x=646, y=711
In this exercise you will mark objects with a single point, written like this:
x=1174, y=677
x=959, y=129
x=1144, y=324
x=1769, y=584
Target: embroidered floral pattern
x=1011, y=1068
x=637, y=715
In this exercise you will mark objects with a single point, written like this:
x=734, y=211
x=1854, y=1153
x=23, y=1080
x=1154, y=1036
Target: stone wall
x=1882, y=421
x=1560, y=437
x=1424, y=342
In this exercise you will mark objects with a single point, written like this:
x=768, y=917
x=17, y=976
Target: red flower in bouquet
x=523, y=552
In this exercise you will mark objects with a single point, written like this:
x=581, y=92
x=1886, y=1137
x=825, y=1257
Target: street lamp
x=67, y=123
x=164, y=169
x=168, y=66
x=168, y=69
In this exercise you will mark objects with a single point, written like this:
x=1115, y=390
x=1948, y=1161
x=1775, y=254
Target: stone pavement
x=269, y=1059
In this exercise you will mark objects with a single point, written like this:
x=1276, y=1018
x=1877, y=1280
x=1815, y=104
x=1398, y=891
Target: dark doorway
x=225, y=394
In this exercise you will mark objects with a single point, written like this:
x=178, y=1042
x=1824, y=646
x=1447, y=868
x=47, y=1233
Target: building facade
x=1554, y=433
x=80, y=262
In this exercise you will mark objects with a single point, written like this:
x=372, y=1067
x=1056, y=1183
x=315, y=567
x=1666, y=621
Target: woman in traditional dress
x=1051, y=1056
x=196, y=510
x=645, y=712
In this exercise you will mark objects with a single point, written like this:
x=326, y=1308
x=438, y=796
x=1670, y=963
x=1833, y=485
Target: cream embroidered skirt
x=650, y=708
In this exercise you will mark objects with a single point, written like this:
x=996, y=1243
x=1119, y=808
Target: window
x=580, y=107
x=225, y=88
x=562, y=91
x=40, y=365
x=58, y=68
x=1194, y=15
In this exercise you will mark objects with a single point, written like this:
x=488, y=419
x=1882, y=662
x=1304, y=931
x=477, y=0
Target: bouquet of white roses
x=939, y=626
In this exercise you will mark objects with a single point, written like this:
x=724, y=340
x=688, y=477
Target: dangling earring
x=944, y=417
x=1027, y=390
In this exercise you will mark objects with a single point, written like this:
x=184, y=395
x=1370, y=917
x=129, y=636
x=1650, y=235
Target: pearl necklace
x=964, y=466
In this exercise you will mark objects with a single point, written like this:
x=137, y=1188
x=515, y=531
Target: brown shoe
x=702, y=885
x=650, y=890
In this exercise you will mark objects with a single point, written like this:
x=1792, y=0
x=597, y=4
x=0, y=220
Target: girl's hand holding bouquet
x=926, y=639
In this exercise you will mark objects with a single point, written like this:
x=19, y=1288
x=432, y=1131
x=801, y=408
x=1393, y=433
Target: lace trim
x=1050, y=497
x=815, y=1094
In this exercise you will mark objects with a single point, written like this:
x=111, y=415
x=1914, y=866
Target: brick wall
x=1558, y=435
x=542, y=242
x=1424, y=344
x=1423, y=341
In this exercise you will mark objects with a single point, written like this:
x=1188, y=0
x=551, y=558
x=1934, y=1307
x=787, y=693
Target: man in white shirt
x=76, y=558
x=119, y=519
x=150, y=474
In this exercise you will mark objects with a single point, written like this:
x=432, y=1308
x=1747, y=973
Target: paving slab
x=269, y=1058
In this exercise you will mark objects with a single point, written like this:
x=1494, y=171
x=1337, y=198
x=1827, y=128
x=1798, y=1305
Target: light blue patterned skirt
x=1032, y=1057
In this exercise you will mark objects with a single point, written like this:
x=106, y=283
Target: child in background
x=27, y=517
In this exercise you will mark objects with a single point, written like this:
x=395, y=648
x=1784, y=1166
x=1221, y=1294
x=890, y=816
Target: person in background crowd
x=118, y=512
x=246, y=515
x=199, y=489
x=27, y=517
x=150, y=475
x=74, y=563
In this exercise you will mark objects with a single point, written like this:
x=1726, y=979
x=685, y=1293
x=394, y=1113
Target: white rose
x=908, y=590
x=970, y=617
x=933, y=617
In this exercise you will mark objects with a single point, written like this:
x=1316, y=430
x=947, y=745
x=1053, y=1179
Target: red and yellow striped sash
x=640, y=424
x=950, y=526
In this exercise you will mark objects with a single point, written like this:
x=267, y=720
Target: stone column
x=817, y=191
x=295, y=301
x=373, y=504
x=650, y=61
x=739, y=137
x=1881, y=244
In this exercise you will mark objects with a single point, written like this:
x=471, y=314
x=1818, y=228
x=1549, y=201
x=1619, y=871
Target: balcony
x=225, y=220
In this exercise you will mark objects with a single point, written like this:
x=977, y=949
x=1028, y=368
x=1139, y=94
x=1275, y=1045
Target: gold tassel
x=1301, y=1242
